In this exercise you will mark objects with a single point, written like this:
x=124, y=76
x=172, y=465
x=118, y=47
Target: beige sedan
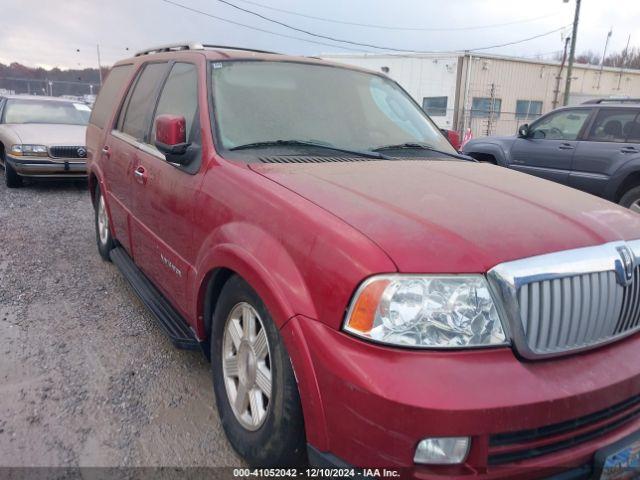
x=42, y=137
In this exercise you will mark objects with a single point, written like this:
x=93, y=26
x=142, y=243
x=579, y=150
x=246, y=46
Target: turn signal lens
x=364, y=309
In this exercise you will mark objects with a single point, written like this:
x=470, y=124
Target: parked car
x=367, y=297
x=594, y=147
x=42, y=137
x=453, y=137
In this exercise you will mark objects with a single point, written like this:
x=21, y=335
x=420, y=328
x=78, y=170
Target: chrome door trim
x=143, y=147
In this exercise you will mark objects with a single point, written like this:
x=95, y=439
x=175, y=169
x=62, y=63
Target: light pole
x=604, y=56
x=99, y=65
x=572, y=52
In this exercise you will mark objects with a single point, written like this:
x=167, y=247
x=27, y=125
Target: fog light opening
x=442, y=450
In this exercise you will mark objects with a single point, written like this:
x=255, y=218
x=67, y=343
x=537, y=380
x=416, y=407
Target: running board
x=169, y=319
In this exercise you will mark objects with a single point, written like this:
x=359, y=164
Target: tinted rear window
x=107, y=98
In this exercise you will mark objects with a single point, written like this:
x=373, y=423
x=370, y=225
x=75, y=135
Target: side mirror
x=171, y=136
x=523, y=130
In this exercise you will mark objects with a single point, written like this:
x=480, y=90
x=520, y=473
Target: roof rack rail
x=170, y=47
x=196, y=46
x=226, y=47
x=598, y=101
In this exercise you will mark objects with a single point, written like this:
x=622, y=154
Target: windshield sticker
x=82, y=107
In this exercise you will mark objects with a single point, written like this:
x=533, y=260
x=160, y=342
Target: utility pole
x=624, y=61
x=100, y=66
x=572, y=52
x=604, y=55
x=556, y=92
x=492, y=109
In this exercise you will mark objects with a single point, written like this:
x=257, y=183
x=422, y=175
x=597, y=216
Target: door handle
x=106, y=151
x=140, y=175
x=566, y=146
x=629, y=150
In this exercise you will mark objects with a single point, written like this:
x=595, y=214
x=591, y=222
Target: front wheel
x=11, y=178
x=631, y=199
x=255, y=388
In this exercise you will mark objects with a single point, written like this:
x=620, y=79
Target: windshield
x=46, y=111
x=261, y=101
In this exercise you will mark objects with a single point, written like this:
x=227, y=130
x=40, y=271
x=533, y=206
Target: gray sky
x=48, y=33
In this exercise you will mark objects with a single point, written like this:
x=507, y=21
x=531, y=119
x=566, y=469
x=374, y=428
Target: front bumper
x=377, y=403
x=45, y=167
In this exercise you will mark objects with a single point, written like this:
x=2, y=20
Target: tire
x=631, y=199
x=11, y=178
x=276, y=439
x=103, y=232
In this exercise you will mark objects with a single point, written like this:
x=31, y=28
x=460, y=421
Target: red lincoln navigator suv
x=367, y=296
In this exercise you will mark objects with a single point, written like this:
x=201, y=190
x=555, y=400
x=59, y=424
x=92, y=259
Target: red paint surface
x=305, y=236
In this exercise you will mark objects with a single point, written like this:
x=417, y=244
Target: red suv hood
x=453, y=216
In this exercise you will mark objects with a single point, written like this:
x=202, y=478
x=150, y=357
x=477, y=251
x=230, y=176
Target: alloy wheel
x=246, y=366
x=103, y=222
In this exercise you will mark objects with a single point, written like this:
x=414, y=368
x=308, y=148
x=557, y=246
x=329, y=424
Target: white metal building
x=493, y=94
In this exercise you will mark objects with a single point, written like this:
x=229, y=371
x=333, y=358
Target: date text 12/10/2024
x=316, y=472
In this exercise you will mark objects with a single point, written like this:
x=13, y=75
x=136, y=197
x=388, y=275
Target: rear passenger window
x=180, y=97
x=614, y=125
x=108, y=95
x=136, y=115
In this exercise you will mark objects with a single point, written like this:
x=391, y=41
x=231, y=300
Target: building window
x=484, y=106
x=528, y=108
x=435, y=106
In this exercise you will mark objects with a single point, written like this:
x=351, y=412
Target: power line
x=519, y=41
x=388, y=27
x=258, y=29
x=379, y=47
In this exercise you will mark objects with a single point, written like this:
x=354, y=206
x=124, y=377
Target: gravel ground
x=87, y=378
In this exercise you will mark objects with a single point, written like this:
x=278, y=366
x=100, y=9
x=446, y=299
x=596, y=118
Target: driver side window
x=563, y=125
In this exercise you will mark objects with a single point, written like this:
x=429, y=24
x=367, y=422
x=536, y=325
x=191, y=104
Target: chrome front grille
x=571, y=300
x=68, y=151
x=630, y=314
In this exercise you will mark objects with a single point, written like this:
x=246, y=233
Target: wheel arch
x=92, y=183
x=630, y=181
x=262, y=262
x=485, y=150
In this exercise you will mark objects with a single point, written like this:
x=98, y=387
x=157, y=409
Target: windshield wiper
x=309, y=143
x=420, y=146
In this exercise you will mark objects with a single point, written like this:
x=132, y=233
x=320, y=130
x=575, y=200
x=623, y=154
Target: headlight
x=434, y=311
x=29, y=150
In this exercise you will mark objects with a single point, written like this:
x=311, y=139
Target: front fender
x=489, y=148
x=263, y=262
